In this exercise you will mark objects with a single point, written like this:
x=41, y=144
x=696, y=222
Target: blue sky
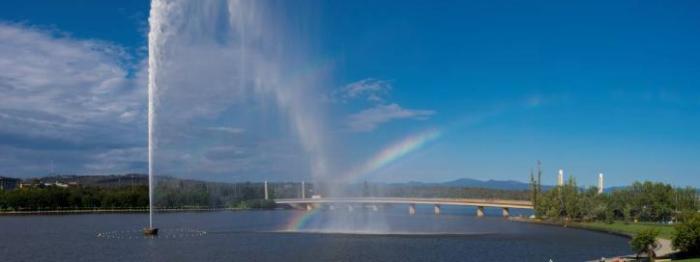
x=587, y=86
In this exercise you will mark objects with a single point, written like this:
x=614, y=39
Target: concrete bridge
x=374, y=202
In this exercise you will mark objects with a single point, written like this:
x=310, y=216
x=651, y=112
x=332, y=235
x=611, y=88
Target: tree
x=533, y=189
x=536, y=188
x=645, y=242
x=686, y=236
x=570, y=199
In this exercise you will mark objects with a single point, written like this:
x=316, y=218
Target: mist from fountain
x=210, y=62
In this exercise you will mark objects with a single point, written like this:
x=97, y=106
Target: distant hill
x=475, y=183
x=97, y=180
x=493, y=184
x=142, y=179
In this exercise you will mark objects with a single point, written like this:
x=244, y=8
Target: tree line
x=56, y=198
x=169, y=194
x=177, y=193
x=641, y=201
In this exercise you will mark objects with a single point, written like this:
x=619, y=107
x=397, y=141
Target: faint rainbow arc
x=383, y=158
x=393, y=153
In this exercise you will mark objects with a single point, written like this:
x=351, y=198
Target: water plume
x=221, y=65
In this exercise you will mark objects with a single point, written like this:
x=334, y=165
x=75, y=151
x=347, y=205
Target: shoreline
x=572, y=225
x=117, y=211
x=665, y=250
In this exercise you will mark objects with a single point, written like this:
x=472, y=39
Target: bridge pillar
x=506, y=212
x=350, y=208
x=309, y=207
x=412, y=209
x=479, y=211
x=436, y=208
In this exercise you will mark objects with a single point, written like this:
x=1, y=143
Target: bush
x=645, y=242
x=257, y=204
x=686, y=237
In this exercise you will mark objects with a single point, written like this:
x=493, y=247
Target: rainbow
x=300, y=219
x=393, y=153
x=382, y=159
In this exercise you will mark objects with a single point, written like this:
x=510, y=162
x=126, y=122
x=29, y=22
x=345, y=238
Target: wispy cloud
x=369, y=119
x=226, y=129
x=371, y=89
x=381, y=109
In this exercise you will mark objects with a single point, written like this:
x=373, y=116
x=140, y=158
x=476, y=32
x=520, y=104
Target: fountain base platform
x=150, y=231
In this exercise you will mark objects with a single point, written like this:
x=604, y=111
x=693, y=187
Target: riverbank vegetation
x=644, y=242
x=170, y=195
x=640, y=210
x=57, y=198
x=642, y=201
x=631, y=229
x=686, y=238
x=131, y=192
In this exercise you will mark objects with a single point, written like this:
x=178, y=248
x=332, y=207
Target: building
x=8, y=183
x=560, y=178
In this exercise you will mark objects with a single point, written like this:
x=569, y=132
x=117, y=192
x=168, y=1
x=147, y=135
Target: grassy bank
x=665, y=231
x=631, y=229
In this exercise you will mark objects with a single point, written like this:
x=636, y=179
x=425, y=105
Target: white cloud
x=60, y=93
x=77, y=80
x=226, y=129
x=120, y=159
x=382, y=111
x=369, y=119
x=371, y=89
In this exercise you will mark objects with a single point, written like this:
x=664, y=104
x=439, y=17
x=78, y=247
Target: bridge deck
x=424, y=201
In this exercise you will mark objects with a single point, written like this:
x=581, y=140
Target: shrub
x=686, y=236
x=257, y=204
x=645, y=242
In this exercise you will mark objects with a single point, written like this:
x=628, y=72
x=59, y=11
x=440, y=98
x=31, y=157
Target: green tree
x=686, y=236
x=533, y=188
x=645, y=242
x=571, y=206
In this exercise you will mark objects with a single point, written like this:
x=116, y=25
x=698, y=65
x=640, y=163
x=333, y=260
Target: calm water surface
x=271, y=236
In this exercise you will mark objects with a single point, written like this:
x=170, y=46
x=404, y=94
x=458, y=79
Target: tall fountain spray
x=213, y=63
x=153, y=54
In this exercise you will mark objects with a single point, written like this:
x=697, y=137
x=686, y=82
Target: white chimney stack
x=600, y=183
x=266, y=195
x=560, y=178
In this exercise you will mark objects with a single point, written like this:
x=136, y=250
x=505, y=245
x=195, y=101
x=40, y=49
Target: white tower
x=600, y=183
x=266, y=195
x=560, y=178
x=303, y=190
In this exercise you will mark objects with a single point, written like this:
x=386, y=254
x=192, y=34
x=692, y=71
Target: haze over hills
x=142, y=179
x=493, y=184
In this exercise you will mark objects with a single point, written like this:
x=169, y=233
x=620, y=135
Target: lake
x=295, y=235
